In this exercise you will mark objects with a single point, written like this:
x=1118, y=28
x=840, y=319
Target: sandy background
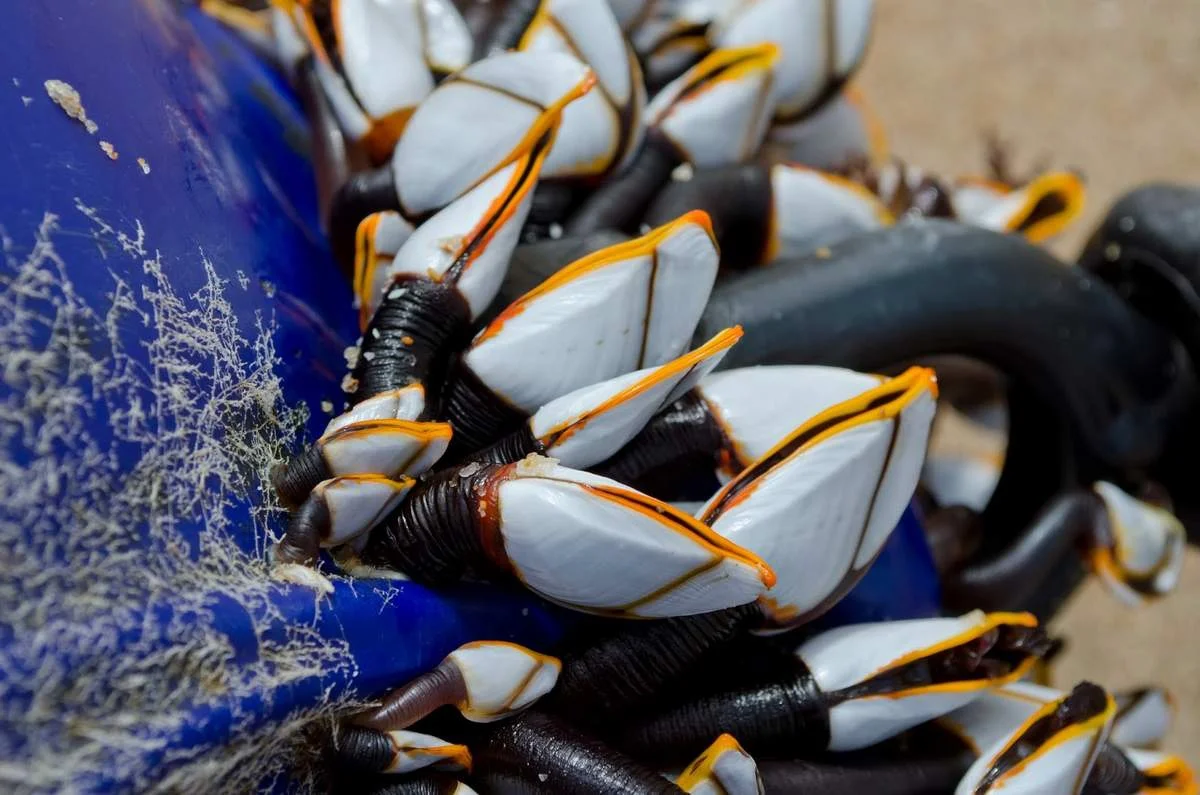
x=1111, y=87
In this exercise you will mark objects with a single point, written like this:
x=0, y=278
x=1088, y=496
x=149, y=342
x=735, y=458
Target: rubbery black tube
x=737, y=200
x=1115, y=773
x=683, y=433
x=606, y=679
x=434, y=535
x=930, y=287
x=1011, y=580
x=1148, y=249
x=410, y=337
x=420, y=784
x=479, y=416
x=785, y=716
x=536, y=754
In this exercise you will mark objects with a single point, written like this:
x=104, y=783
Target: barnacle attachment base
x=299, y=574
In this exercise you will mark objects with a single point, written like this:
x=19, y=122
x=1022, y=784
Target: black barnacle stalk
x=513, y=447
x=406, y=343
x=365, y=749
x=784, y=714
x=684, y=433
x=429, y=784
x=437, y=534
x=777, y=718
x=407, y=705
x=1115, y=773
x=606, y=679
x=479, y=416
x=917, y=775
x=537, y=754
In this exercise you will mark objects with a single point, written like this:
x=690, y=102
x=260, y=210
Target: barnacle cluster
x=551, y=423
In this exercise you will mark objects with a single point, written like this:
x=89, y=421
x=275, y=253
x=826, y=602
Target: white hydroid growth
x=100, y=526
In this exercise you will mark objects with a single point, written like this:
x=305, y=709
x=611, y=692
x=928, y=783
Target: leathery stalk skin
x=626, y=307
x=732, y=418
x=818, y=527
x=562, y=533
x=419, y=784
x=1038, y=738
x=917, y=774
x=588, y=425
x=484, y=680
x=733, y=84
x=398, y=751
x=537, y=754
x=851, y=687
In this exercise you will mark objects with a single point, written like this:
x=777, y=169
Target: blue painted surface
x=229, y=183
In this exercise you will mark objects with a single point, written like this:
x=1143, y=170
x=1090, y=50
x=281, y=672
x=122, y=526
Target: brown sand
x=1111, y=87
